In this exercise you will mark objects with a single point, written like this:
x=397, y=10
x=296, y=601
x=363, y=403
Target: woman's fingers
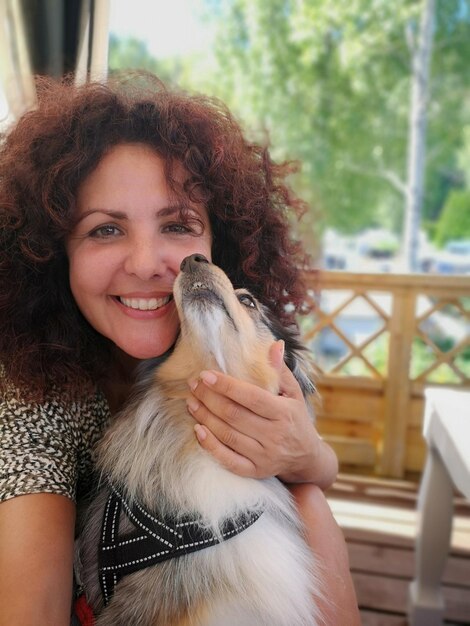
x=254, y=454
x=226, y=419
x=228, y=396
x=288, y=384
x=239, y=454
x=224, y=395
x=228, y=458
x=271, y=446
x=276, y=354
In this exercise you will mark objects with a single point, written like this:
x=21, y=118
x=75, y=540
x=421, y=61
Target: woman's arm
x=255, y=433
x=36, y=560
x=339, y=604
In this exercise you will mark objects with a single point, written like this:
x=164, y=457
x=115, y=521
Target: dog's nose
x=190, y=262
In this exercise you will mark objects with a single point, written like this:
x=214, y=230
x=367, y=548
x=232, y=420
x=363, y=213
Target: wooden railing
x=378, y=340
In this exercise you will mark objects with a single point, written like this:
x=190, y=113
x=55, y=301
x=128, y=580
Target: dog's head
x=228, y=329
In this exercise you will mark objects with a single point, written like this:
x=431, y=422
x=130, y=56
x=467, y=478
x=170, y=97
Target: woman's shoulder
x=88, y=408
x=47, y=445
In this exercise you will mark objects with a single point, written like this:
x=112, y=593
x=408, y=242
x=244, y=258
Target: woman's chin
x=146, y=350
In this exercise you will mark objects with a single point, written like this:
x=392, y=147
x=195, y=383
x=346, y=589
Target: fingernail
x=208, y=377
x=192, y=382
x=192, y=404
x=282, y=344
x=200, y=432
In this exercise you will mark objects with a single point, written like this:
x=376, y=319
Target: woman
x=104, y=190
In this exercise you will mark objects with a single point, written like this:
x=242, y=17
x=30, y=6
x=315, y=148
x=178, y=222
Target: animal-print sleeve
x=47, y=447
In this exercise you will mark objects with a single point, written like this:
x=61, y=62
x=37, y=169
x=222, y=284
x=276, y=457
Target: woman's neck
x=117, y=385
x=121, y=377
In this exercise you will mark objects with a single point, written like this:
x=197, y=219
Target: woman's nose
x=145, y=259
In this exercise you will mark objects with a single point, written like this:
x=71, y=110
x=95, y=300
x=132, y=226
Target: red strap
x=83, y=612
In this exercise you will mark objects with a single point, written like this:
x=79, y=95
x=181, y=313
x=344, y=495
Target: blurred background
x=371, y=96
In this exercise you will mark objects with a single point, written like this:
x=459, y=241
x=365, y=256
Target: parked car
x=454, y=258
x=378, y=243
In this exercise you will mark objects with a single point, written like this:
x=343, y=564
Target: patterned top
x=47, y=447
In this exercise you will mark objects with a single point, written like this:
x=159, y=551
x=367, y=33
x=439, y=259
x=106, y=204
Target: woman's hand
x=254, y=433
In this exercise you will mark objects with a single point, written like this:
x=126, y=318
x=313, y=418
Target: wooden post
x=397, y=386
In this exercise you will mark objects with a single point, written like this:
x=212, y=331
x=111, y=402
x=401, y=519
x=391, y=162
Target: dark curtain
x=52, y=29
x=49, y=37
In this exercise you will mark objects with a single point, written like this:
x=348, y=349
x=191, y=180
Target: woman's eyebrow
x=121, y=215
x=169, y=210
x=117, y=215
x=178, y=208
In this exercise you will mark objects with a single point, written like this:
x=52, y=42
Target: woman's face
x=126, y=248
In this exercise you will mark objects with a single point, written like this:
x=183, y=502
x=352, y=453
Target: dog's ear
x=296, y=355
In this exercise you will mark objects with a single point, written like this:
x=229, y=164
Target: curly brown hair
x=44, y=339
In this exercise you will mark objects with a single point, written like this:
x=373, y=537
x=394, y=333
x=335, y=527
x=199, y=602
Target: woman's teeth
x=145, y=304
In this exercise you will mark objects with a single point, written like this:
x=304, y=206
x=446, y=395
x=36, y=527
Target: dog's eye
x=247, y=300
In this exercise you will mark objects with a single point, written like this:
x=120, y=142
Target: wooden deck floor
x=378, y=518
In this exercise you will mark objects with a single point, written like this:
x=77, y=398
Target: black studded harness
x=152, y=540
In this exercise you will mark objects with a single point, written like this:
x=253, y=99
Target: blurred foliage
x=328, y=81
x=132, y=54
x=463, y=155
x=454, y=222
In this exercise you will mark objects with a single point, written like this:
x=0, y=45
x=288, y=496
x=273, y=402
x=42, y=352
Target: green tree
x=312, y=74
x=330, y=81
x=454, y=222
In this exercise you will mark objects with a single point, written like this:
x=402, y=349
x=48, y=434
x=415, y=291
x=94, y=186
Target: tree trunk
x=421, y=60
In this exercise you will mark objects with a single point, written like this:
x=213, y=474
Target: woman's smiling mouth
x=144, y=304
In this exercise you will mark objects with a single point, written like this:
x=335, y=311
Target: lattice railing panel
x=349, y=333
x=441, y=346
x=378, y=340
x=346, y=330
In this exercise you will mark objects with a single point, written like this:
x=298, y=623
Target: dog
x=172, y=538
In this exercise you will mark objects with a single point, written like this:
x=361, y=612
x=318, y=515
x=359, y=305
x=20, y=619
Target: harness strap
x=153, y=540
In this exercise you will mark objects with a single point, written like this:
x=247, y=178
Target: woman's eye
x=247, y=300
x=177, y=227
x=105, y=232
x=191, y=227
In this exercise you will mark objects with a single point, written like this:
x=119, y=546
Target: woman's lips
x=144, y=308
x=145, y=304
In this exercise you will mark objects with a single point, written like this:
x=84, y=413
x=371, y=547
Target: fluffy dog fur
x=264, y=576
